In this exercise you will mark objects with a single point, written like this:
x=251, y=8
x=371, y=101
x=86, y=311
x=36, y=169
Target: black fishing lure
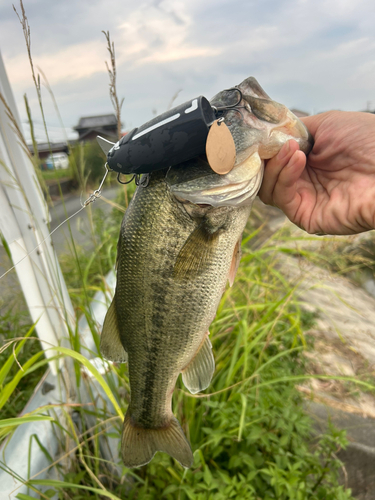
x=173, y=137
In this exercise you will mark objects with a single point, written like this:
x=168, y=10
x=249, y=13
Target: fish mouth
x=259, y=127
x=293, y=128
x=257, y=120
x=195, y=182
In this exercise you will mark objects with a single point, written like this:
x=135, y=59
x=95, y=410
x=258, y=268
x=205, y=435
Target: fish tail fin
x=139, y=445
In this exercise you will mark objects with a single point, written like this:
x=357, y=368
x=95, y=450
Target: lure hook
x=235, y=106
x=142, y=181
x=127, y=182
x=240, y=97
x=139, y=181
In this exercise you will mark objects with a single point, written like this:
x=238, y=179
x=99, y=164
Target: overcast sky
x=313, y=55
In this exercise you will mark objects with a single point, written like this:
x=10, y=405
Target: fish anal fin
x=139, y=445
x=198, y=373
x=235, y=262
x=110, y=343
x=196, y=254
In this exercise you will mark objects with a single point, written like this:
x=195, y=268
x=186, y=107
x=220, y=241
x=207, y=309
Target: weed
x=250, y=436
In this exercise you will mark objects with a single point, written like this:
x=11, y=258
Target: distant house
x=90, y=126
x=44, y=149
x=299, y=113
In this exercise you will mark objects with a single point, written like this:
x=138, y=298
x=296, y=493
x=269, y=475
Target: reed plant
x=249, y=433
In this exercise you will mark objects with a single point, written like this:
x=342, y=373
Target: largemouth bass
x=180, y=242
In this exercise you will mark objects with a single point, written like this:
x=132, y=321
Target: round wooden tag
x=220, y=148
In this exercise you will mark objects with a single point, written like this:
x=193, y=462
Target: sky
x=313, y=55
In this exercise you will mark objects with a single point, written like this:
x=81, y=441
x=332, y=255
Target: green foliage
x=250, y=436
x=84, y=273
x=251, y=441
x=350, y=256
x=87, y=161
x=19, y=388
x=57, y=174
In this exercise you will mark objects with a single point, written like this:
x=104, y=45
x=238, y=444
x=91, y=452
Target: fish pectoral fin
x=235, y=262
x=110, y=342
x=139, y=445
x=198, y=373
x=196, y=253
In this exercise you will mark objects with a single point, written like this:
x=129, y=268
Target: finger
x=273, y=169
x=313, y=122
x=285, y=194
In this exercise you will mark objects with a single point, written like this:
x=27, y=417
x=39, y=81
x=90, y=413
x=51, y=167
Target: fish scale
x=155, y=316
x=163, y=319
x=179, y=245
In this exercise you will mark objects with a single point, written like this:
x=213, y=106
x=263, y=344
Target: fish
x=179, y=245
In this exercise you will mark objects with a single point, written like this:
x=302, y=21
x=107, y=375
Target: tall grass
x=250, y=436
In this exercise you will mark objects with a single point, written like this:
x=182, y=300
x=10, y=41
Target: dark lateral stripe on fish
x=150, y=383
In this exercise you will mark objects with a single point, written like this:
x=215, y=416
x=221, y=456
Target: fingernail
x=284, y=151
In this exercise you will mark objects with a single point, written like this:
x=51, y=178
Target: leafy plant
x=16, y=389
x=250, y=436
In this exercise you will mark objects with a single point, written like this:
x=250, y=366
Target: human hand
x=333, y=192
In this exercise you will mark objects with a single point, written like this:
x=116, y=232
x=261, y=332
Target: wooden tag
x=220, y=148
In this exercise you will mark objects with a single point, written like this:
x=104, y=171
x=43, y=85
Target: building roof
x=97, y=121
x=97, y=131
x=54, y=147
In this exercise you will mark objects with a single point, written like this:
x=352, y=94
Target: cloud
x=70, y=63
x=313, y=54
x=160, y=32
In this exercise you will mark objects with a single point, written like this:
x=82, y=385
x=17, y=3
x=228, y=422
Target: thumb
x=313, y=122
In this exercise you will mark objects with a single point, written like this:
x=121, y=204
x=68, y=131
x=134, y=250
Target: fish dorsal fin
x=196, y=253
x=110, y=342
x=235, y=262
x=198, y=373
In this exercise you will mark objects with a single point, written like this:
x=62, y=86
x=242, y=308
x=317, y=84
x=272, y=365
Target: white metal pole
x=24, y=223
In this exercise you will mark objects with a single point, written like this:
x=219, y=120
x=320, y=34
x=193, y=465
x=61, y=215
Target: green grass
x=57, y=174
x=16, y=323
x=250, y=436
x=349, y=256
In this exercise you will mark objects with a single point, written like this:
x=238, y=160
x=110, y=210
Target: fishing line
x=93, y=196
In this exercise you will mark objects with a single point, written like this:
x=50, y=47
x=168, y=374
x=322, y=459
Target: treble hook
x=120, y=181
x=139, y=181
x=236, y=89
x=220, y=110
x=230, y=106
x=142, y=181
